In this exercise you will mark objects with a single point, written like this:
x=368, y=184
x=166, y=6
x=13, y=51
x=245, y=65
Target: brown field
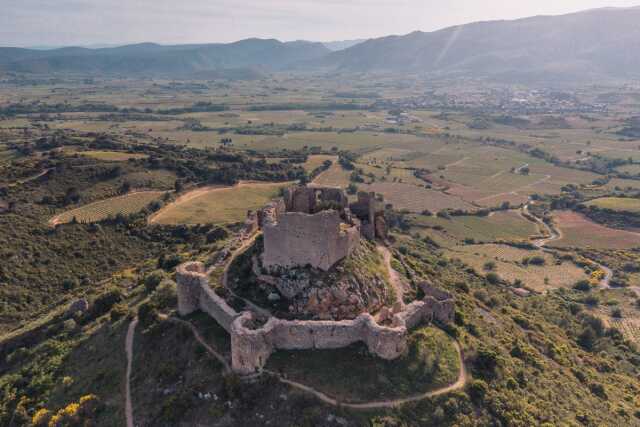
x=415, y=199
x=579, y=231
x=335, y=176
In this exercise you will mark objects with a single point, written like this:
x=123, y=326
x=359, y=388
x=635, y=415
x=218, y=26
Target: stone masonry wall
x=298, y=239
x=195, y=294
x=251, y=347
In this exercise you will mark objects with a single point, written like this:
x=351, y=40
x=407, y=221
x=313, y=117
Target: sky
x=93, y=22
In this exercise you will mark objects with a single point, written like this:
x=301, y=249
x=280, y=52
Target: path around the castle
x=128, y=348
x=460, y=383
x=394, y=276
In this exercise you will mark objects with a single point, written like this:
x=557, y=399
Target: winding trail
x=246, y=243
x=128, y=348
x=201, y=340
x=29, y=179
x=554, y=235
x=394, y=276
x=460, y=382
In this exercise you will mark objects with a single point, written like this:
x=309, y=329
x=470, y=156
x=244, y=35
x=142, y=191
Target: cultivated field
x=335, y=176
x=315, y=161
x=94, y=212
x=504, y=225
x=415, y=199
x=579, y=231
x=221, y=205
x=622, y=204
x=112, y=156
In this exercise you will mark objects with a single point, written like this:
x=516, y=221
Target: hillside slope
x=585, y=44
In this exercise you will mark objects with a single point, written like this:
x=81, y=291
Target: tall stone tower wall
x=299, y=239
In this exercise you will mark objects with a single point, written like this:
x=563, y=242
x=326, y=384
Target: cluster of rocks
x=312, y=294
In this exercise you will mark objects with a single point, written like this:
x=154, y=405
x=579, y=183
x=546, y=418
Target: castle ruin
x=317, y=227
x=314, y=227
x=252, y=343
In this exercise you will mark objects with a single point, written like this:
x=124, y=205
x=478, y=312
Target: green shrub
x=489, y=266
x=493, y=278
x=105, y=302
x=147, y=313
x=592, y=300
x=478, y=390
x=486, y=362
x=165, y=295
x=118, y=311
x=582, y=285
x=153, y=279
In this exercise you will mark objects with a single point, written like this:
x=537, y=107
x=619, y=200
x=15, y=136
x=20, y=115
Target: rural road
x=128, y=347
x=29, y=179
x=557, y=235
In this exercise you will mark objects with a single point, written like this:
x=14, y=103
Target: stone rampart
x=252, y=345
x=195, y=294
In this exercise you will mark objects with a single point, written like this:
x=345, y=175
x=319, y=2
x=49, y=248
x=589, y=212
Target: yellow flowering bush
x=41, y=417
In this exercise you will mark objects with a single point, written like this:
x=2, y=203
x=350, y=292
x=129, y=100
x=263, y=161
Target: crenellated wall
x=252, y=345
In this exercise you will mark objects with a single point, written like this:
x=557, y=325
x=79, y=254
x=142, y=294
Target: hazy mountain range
x=154, y=59
x=601, y=43
x=342, y=44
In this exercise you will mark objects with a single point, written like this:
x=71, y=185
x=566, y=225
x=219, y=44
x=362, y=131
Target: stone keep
x=300, y=239
x=308, y=226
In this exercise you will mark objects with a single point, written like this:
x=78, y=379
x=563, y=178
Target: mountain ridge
x=595, y=42
x=587, y=45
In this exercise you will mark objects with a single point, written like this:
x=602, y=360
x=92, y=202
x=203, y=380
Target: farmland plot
x=579, y=231
x=98, y=211
x=221, y=205
x=416, y=199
